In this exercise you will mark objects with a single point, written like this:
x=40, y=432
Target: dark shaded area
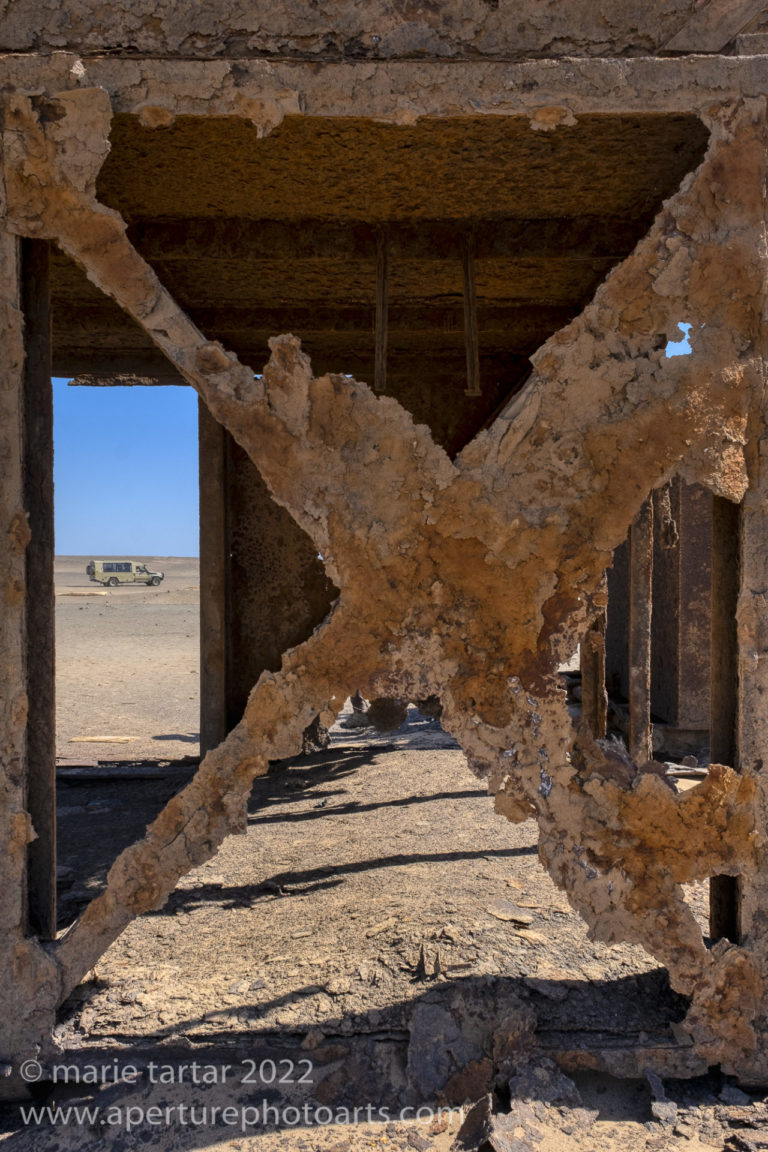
x=184, y=738
x=102, y=811
x=619, y=1014
x=278, y=592
x=353, y=1060
x=96, y=821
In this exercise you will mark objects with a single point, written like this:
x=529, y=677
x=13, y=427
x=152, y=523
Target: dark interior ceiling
x=254, y=237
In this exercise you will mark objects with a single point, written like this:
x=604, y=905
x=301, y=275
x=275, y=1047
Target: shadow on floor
x=346, y=1063
x=99, y=818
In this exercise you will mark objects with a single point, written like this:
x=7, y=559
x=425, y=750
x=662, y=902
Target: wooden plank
x=40, y=612
x=640, y=609
x=382, y=312
x=470, y=316
x=712, y=26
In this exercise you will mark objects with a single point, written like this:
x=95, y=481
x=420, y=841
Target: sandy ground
x=128, y=662
x=362, y=942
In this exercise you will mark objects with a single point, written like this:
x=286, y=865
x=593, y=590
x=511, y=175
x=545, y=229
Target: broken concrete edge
x=425, y=551
x=549, y=92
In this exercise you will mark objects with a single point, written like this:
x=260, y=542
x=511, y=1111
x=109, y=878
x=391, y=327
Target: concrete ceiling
x=256, y=236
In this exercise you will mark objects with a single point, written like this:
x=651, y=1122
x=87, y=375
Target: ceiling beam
x=107, y=324
x=433, y=240
x=119, y=366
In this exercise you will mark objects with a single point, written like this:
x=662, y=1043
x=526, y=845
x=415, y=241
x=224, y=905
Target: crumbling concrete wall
x=471, y=580
x=385, y=29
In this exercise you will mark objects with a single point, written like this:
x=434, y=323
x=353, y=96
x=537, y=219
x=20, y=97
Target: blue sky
x=125, y=471
x=681, y=347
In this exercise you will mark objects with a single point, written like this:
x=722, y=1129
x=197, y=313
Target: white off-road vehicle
x=114, y=572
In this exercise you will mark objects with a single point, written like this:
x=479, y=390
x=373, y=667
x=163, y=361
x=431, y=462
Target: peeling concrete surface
x=336, y=30
x=472, y=580
x=394, y=91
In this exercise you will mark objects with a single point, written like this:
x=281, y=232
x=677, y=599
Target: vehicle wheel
x=113, y=581
x=155, y=581
x=89, y=570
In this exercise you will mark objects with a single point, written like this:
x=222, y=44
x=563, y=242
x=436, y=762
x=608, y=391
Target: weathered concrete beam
x=376, y=31
x=265, y=92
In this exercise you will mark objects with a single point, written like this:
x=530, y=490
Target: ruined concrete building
x=422, y=263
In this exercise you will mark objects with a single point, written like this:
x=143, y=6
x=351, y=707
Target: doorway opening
x=127, y=595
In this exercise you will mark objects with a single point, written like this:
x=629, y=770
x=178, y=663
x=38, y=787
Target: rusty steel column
x=30, y=980
x=40, y=612
x=742, y=535
x=471, y=337
x=214, y=565
x=724, y=891
x=640, y=611
x=748, y=909
x=382, y=311
x=594, y=698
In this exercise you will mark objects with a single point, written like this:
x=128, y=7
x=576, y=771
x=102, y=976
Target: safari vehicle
x=114, y=572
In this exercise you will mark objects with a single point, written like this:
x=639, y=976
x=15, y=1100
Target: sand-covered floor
x=367, y=934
